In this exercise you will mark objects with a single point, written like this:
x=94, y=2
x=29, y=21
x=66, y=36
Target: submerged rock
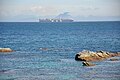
x=5, y=50
x=113, y=59
x=87, y=55
x=3, y=71
x=44, y=49
x=88, y=64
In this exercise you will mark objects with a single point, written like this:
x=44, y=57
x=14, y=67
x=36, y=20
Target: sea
x=46, y=51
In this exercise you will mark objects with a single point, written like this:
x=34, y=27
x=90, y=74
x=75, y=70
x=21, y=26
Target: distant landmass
x=64, y=15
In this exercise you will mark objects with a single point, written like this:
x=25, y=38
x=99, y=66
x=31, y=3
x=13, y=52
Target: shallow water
x=46, y=51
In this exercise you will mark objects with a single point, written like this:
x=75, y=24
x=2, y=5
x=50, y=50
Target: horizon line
x=68, y=22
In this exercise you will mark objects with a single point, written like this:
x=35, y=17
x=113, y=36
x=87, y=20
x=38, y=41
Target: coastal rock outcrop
x=6, y=50
x=88, y=64
x=87, y=55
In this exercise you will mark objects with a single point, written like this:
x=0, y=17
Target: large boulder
x=5, y=50
x=87, y=55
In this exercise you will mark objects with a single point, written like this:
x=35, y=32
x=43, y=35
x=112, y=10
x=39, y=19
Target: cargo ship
x=55, y=20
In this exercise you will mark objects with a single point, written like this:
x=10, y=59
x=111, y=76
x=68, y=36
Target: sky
x=79, y=10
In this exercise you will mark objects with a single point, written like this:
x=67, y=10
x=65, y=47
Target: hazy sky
x=31, y=10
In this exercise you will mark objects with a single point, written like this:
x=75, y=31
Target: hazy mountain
x=64, y=15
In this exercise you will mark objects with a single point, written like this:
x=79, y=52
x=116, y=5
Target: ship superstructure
x=55, y=20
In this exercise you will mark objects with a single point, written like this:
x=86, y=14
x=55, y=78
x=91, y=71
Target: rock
x=87, y=55
x=113, y=59
x=117, y=54
x=5, y=50
x=2, y=71
x=102, y=54
x=44, y=49
x=87, y=64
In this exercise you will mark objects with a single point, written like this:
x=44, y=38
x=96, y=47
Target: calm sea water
x=46, y=51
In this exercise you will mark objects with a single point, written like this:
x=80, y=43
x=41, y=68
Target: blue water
x=46, y=51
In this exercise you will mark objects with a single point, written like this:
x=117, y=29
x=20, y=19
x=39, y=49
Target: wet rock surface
x=88, y=64
x=113, y=59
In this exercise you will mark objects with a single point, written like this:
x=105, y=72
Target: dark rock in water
x=79, y=59
x=87, y=55
x=44, y=49
x=2, y=71
x=5, y=50
x=88, y=64
x=113, y=59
